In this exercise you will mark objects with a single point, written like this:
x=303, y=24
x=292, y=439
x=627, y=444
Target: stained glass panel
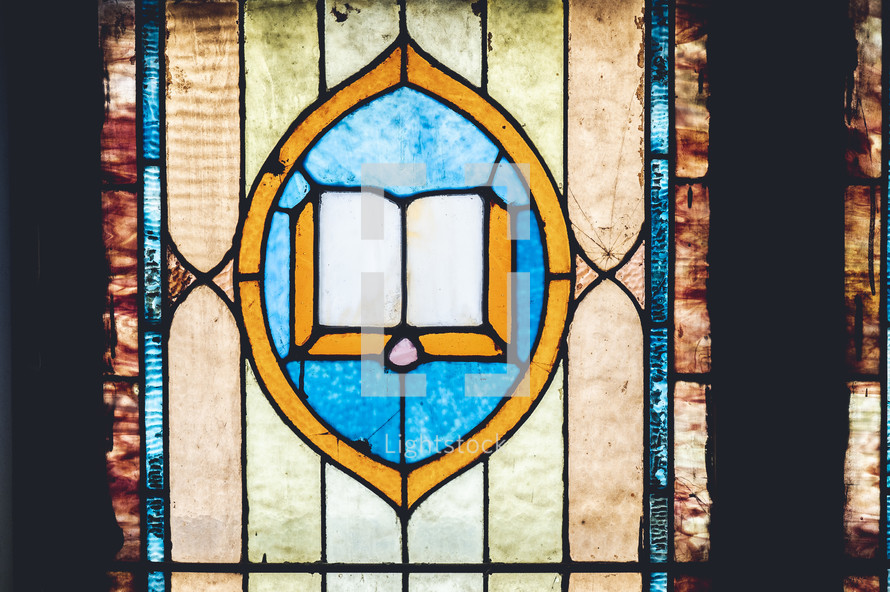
x=313, y=406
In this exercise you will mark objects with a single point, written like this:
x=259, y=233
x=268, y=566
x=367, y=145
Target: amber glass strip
x=862, y=286
x=304, y=285
x=499, y=272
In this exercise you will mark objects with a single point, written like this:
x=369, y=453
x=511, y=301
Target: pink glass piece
x=403, y=353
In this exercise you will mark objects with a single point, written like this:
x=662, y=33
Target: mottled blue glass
x=658, y=529
x=276, y=281
x=151, y=242
x=658, y=582
x=530, y=260
x=151, y=102
x=509, y=185
x=658, y=408
x=294, y=192
x=334, y=391
x=402, y=126
x=457, y=397
x=659, y=196
x=295, y=371
x=154, y=531
x=156, y=581
x=659, y=80
x=154, y=410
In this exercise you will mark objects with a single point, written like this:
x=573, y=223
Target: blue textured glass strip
x=154, y=532
x=658, y=529
x=659, y=195
x=659, y=81
x=294, y=192
x=658, y=582
x=658, y=408
x=151, y=79
x=156, y=581
x=154, y=411
x=151, y=242
x=276, y=281
x=530, y=260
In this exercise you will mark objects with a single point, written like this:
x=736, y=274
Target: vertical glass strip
x=151, y=80
x=151, y=242
x=658, y=582
x=658, y=409
x=658, y=530
x=659, y=64
x=659, y=79
x=154, y=445
x=150, y=15
x=659, y=214
x=156, y=581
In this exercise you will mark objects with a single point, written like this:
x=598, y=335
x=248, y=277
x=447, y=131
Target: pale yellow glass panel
x=203, y=129
x=526, y=486
x=525, y=71
x=692, y=500
x=281, y=58
x=451, y=32
x=204, y=414
x=446, y=582
x=364, y=582
x=356, y=32
x=205, y=582
x=525, y=582
x=283, y=582
x=862, y=471
x=605, y=415
x=605, y=127
x=605, y=582
x=361, y=527
x=447, y=526
x=283, y=485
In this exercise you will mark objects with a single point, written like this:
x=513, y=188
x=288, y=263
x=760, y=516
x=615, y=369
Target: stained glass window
x=408, y=295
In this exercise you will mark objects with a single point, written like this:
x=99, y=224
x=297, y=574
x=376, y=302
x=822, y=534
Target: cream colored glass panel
x=525, y=582
x=283, y=486
x=526, y=486
x=605, y=427
x=370, y=582
x=445, y=582
x=451, y=32
x=525, y=71
x=447, y=526
x=605, y=127
x=283, y=582
x=692, y=500
x=361, y=527
x=205, y=582
x=278, y=84
x=204, y=409
x=356, y=32
x=862, y=507
x=444, y=267
x=203, y=129
x=344, y=255
x=605, y=582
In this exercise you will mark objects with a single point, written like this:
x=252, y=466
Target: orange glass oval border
x=404, y=64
